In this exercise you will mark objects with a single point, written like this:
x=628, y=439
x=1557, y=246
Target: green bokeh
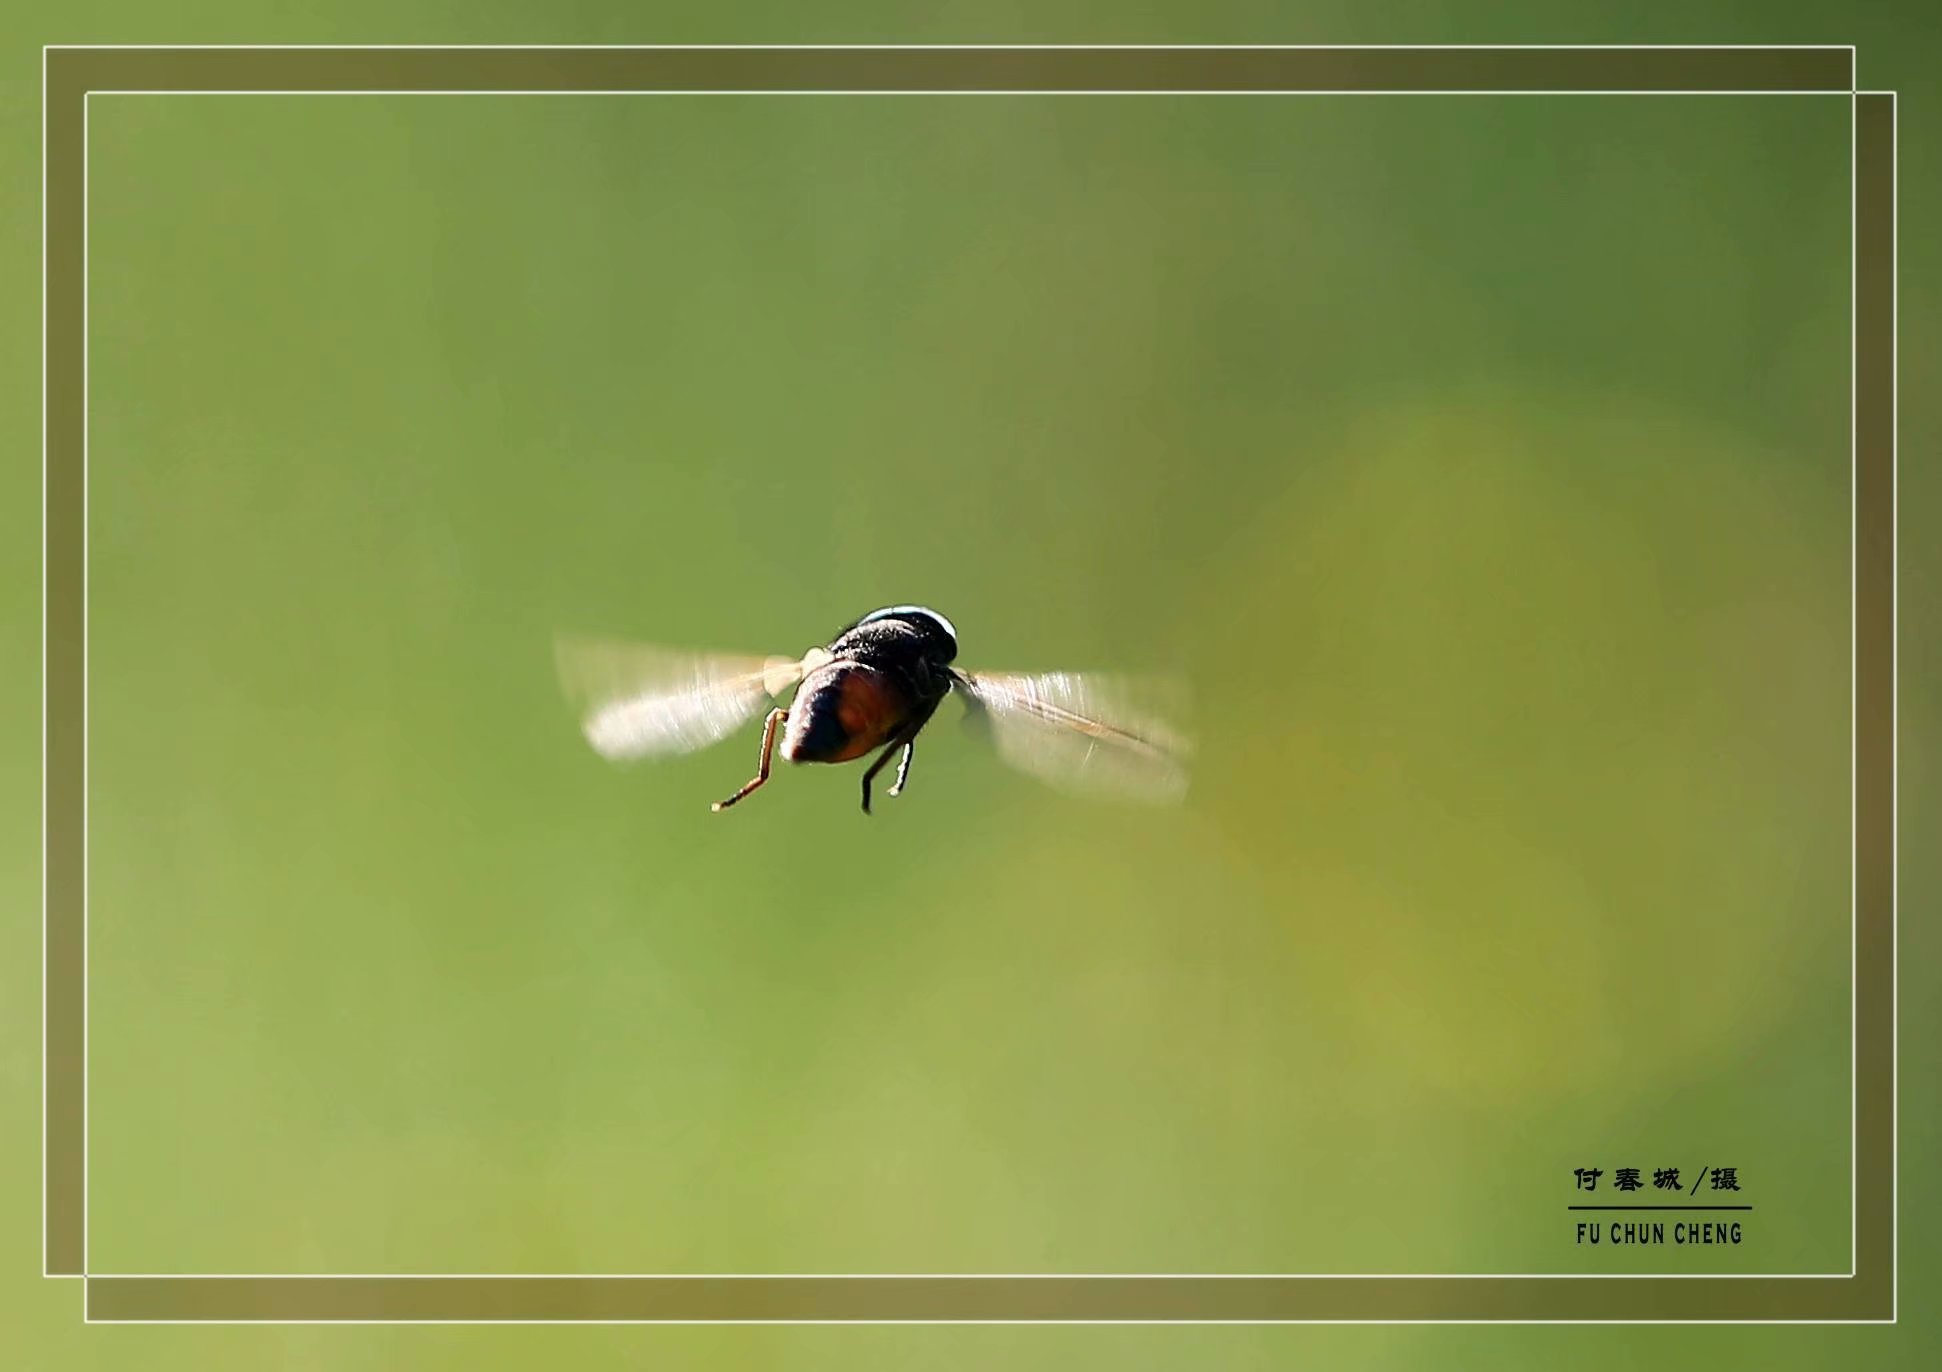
x=1490, y=501
x=1481, y=461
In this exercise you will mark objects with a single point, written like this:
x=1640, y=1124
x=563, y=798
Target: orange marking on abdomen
x=870, y=710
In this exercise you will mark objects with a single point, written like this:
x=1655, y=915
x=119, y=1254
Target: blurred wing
x=639, y=701
x=1085, y=733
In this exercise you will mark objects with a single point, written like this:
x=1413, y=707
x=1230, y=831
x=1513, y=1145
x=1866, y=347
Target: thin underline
x=1659, y=1207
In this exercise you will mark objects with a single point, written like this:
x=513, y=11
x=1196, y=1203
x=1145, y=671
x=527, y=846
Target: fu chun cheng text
x=1681, y=1233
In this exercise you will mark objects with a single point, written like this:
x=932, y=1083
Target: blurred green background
x=1481, y=461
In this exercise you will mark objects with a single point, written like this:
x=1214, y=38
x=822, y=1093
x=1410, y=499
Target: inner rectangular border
x=70, y=74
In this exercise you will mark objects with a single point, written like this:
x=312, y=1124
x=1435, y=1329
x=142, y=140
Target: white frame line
x=1895, y=698
x=1854, y=678
x=973, y=1276
x=43, y=665
x=1848, y=48
x=971, y=1321
x=973, y=94
x=1852, y=95
x=87, y=903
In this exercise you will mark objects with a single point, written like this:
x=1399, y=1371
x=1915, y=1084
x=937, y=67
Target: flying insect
x=873, y=687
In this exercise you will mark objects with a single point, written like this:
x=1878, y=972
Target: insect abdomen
x=841, y=712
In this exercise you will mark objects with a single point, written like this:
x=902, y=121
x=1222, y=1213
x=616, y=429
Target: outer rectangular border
x=1867, y=1295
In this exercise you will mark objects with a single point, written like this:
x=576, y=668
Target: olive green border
x=70, y=73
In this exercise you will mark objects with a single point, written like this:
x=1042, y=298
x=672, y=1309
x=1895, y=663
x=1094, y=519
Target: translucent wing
x=1086, y=733
x=638, y=700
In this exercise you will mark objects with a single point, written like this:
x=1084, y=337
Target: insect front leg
x=776, y=717
x=903, y=768
x=883, y=760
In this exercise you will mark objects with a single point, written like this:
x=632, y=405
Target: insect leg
x=883, y=760
x=776, y=716
x=903, y=768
